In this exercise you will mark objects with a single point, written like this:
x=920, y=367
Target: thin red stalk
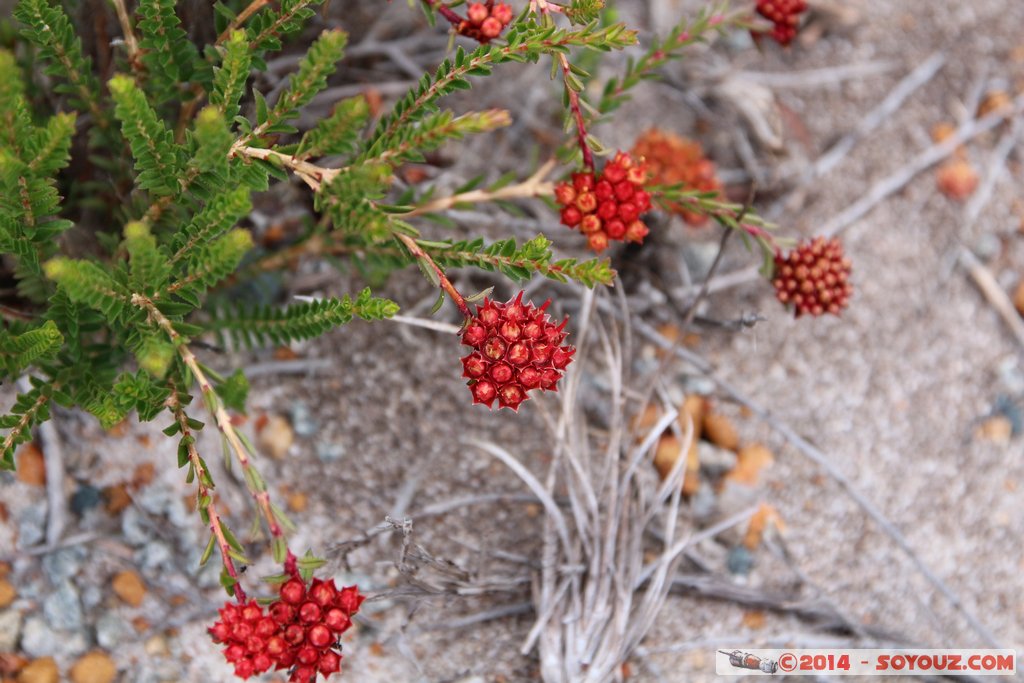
x=445, y=12
x=577, y=112
x=203, y=491
x=446, y=284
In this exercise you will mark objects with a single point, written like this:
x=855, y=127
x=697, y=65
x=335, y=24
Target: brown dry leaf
x=957, y=179
x=7, y=593
x=117, y=498
x=140, y=624
x=31, y=465
x=4, y=512
x=95, y=667
x=754, y=619
x=752, y=459
x=719, y=430
x=129, y=587
x=5, y=569
x=43, y=670
x=376, y=649
x=766, y=515
x=144, y=440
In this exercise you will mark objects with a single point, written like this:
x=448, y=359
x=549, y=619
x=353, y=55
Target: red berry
x=330, y=663
x=583, y=182
x=293, y=591
x=502, y=13
x=565, y=193
x=636, y=232
x=590, y=224
x=477, y=12
x=336, y=619
x=598, y=241
x=571, y=216
x=309, y=612
x=616, y=229
x=491, y=28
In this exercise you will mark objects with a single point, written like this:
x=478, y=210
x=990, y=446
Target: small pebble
x=84, y=499
x=42, y=670
x=7, y=593
x=10, y=629
x=302, y=420
x=31, y=468
x=112, y=630
x=719, y=430
x=276, y=437
x=740, y=561
x=63, y=564
x=32, y=525
x=716, y=461
x=1009, y=409
x=39, y=640
x=95, y=667
x=330, y=452
x=129, y=587
x=997, y=429
x=63, y=609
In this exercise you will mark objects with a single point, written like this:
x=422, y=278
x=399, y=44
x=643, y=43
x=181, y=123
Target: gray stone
x=112, y=630
x=703, y=505
x=63, y=608
x=740, y=561
x=699, y=256
x=330, y=451
x=85, y=498
x=714, y=460
x=154, y=555
x=63, y=564
x=303, y=421
x=10, y=629
x=32, y=525
x=39, y=640
x=135, y=526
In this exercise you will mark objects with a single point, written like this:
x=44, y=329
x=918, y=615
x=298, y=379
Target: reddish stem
x=577, y=112
x=446, y=284
x=445, y=11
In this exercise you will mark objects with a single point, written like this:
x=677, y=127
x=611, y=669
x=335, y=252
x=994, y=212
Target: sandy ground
x=893, y=393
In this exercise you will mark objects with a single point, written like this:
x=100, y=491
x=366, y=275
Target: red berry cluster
x=517, y=348
x=299, y=631
x=785, y=15
x=814, y=277
x=485, y=21
x=608, y=206
x=672, y=159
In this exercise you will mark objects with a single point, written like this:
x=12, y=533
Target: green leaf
x=168, y=54
x=263, y=326
x=229, y=79
x=157, y=157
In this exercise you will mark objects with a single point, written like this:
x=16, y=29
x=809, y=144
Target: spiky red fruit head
x=814, y=277
x=523, y=350
x=603, y=206
x=300, y=634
